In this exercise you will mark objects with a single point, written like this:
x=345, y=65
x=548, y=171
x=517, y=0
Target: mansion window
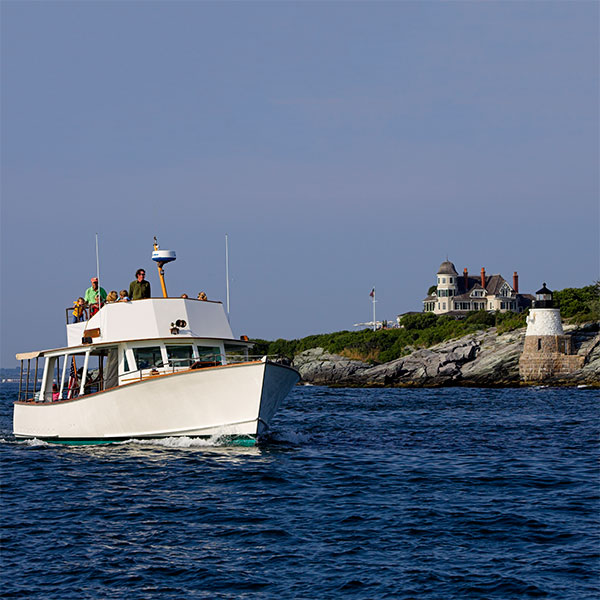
x=445, y=293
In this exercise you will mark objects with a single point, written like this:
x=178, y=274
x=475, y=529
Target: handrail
x=151, y=371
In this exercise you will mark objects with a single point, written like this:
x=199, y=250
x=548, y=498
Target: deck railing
x=94, y=383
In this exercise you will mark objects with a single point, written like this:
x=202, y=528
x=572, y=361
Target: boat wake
x=182, y=442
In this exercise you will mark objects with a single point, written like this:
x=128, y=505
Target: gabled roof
x=494, y=283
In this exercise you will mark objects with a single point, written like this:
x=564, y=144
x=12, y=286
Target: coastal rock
x=480, y=359
x=320, y=367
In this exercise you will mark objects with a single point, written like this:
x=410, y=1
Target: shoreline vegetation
x=423, y=330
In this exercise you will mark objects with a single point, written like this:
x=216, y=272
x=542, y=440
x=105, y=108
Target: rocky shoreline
x=482, y=359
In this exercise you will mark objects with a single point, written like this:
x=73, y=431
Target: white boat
x=152, y=368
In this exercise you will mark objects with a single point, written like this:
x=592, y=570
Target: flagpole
x=227, y=270
x=374, y=321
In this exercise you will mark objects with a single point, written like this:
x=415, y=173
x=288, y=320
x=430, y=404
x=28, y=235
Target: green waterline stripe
x=227, y=440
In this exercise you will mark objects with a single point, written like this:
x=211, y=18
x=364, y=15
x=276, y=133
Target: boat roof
x=152, y=319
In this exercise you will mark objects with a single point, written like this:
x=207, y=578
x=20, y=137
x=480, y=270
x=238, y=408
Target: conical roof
x=447, y=268
x=544, y=290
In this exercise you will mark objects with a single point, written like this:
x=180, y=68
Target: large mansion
x=458, y=294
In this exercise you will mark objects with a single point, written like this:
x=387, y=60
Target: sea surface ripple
x=357, y=493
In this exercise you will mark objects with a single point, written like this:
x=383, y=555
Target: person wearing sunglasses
x=139, y=288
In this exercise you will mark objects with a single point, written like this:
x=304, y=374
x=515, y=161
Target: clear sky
x=340, y=145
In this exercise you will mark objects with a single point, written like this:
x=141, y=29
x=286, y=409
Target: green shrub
x=579, y=304
x=419, y=321
x=510, y=321
x=481, y=317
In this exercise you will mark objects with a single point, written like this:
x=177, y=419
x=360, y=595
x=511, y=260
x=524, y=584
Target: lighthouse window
x=539, y=343
x=443, y=280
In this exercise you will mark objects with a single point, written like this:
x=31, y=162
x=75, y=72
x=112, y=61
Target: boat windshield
x=180, y=356
x=149, y=357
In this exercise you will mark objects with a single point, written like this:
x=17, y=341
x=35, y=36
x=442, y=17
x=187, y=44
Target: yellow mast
x=161, y=272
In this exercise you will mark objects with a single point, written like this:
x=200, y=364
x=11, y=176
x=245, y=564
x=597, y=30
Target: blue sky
x=340, y=145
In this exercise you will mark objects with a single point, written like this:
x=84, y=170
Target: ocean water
x=357, y=493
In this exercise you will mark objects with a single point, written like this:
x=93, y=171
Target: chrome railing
x=175, y=365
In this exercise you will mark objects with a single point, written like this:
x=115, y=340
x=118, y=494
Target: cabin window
x=147, y=358
x=125, y=362
x=180, y=356
x=209, y=354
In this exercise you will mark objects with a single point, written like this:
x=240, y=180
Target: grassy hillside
x=426, y=329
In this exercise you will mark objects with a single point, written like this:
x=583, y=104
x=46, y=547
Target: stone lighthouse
x=547, y=352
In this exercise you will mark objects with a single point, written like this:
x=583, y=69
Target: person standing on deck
x=91, y=294
x=140, y=288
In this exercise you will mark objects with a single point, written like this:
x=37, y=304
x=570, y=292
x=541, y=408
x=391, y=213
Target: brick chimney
x=483, y=277
x=516, y=282
x=466, y=279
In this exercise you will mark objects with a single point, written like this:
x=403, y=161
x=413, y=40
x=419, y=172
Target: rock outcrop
x=480, y=359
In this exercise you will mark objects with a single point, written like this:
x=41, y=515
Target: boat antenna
x=227, y=270
x=161, y=258
x=98, y=295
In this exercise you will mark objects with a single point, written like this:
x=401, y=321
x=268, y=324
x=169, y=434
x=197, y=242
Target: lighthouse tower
x=547, y=352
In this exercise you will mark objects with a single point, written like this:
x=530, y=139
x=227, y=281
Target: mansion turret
x=458, y=294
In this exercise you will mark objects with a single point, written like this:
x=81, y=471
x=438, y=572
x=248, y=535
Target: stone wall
x=539, y=368
x=548, y=356
x=547, y=344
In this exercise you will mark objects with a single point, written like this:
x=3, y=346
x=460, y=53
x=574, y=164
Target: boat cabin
x=126, y=342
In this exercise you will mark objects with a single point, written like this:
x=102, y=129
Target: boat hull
x=232, y=400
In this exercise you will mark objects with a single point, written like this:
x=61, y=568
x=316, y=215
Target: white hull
x=233, y=400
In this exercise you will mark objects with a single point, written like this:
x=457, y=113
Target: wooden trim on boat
x=29, y=355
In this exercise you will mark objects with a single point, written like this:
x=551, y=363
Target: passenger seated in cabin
x=54, y=392
x=140, y=288
x=91, y=296
x=123, y=297
x=79, y=310
x=202, y=296
x=184, y=295
x=112, y=297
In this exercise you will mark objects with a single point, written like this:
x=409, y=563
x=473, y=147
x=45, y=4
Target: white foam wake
x=181, y=442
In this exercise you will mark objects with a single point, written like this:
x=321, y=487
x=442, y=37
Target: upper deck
x=152, y=318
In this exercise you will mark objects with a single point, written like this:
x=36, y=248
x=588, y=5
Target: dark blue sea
x=357, y=493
